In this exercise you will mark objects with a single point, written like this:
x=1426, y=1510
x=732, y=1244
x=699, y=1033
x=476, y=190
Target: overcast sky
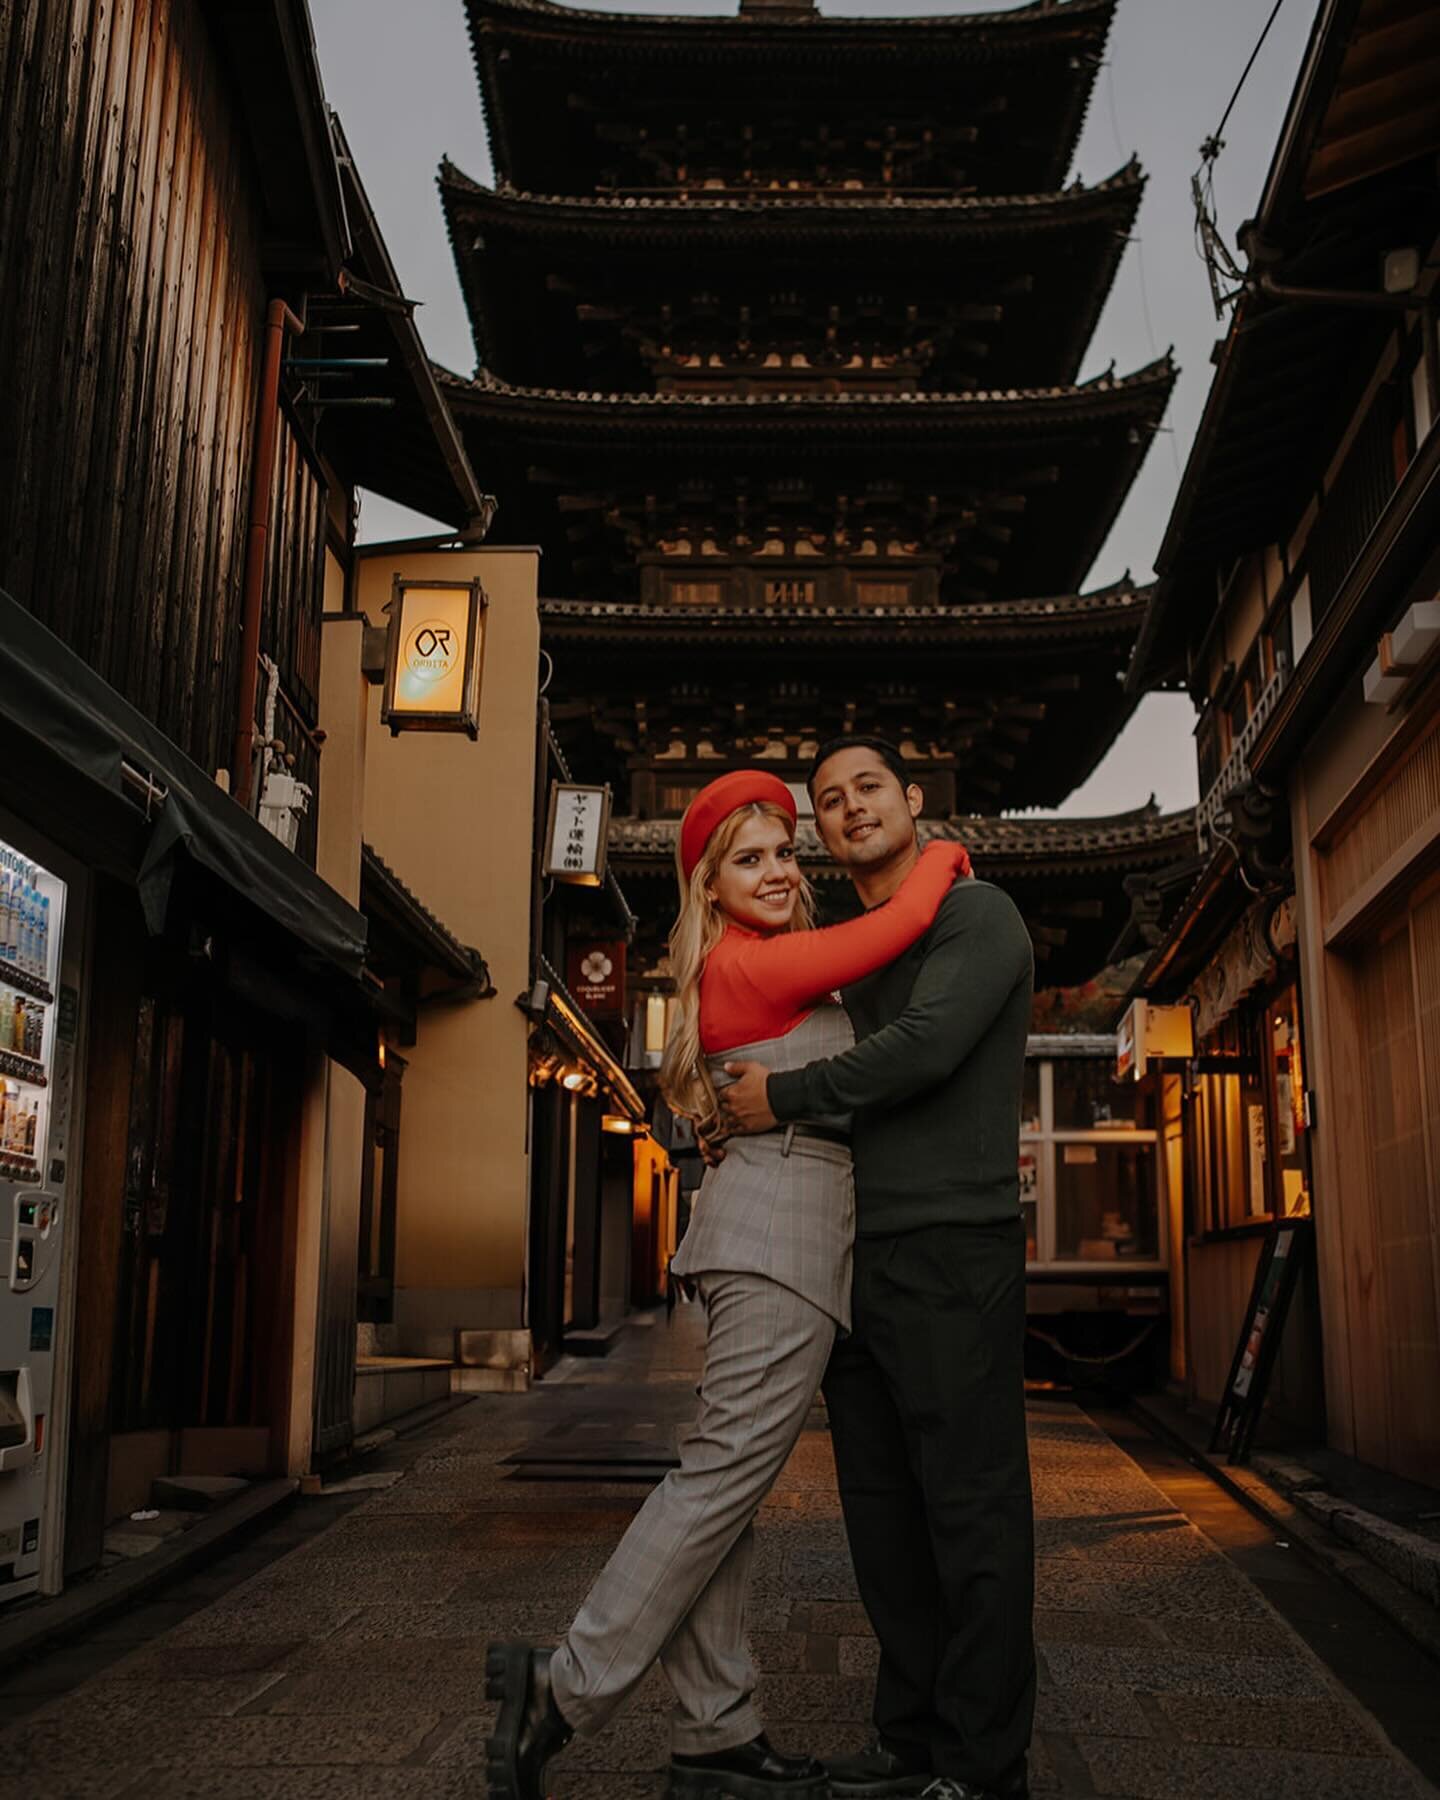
x=402, y=79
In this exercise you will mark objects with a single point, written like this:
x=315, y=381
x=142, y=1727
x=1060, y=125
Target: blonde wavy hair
x=685, y=1079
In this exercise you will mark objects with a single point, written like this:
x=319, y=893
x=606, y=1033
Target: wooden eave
x=1289, y=376
x=516, y=39
x=1075, y=450
x=268, y=50
x=720, y=419
x=1402, y=540
x=698, y=220
x=1069, y=245
x=412, y=451
x=1109, y=615
x=1002, y=848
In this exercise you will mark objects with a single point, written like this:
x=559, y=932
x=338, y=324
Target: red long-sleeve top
x=759, y=985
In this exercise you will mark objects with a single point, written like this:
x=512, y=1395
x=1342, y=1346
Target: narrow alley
x=342, y=1653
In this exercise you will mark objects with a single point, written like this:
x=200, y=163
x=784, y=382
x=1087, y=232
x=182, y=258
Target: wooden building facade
x=1298, y=602
x=186, y=255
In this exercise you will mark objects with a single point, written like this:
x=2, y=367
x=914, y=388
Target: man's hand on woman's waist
x=745, y=1104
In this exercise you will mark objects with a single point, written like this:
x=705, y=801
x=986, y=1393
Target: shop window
x=1089, y=1167
x=1088, y=1097
x=1105, y=1208
x=1287, y=1076
x=1229, y=1136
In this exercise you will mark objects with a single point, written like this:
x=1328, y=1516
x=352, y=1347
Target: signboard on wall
x=1276, y=1276
x=576, y=833
x=433, y=654
x=595, y=975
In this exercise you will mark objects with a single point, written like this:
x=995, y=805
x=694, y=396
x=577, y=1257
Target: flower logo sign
x=597, y=968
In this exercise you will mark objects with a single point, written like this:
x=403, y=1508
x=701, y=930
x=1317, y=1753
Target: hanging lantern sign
x=432, y=660
x=576, y=834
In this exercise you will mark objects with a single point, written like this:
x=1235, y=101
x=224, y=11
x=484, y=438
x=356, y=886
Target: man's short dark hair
x=884, y=750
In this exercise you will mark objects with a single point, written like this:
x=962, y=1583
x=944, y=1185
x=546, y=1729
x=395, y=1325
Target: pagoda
x=779, y=320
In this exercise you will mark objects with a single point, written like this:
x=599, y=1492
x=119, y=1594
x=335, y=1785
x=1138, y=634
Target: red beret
x=715, y=803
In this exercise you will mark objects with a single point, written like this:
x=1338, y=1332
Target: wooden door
x=1393, y=1230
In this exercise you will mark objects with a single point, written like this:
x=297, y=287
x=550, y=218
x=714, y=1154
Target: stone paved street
x=352, y=1667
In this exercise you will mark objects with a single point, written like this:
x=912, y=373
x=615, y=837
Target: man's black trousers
x=927, y=1411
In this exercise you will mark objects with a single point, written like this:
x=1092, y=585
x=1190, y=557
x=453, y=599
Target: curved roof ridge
x=1161, y=371
x=986, y=835
x=1036, y=12
x=1125, y=180
x=1117, y=594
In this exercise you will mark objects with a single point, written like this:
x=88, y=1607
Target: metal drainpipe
x=278, y=320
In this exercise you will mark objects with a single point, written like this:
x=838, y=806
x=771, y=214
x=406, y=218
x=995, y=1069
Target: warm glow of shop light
x=619, y=1126
x=654, y=1023
x=575, y=1079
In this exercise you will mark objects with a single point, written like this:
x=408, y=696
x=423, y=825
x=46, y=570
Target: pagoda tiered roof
x=1020, y=487
x=1020, y=698
x=557, y=284
x=619, y=94
x=1111, y=614
x=1063, y=874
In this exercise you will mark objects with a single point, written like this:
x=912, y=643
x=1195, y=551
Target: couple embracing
x=862, y=1229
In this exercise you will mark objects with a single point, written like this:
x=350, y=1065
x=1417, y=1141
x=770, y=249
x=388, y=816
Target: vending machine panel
x=38, y=1013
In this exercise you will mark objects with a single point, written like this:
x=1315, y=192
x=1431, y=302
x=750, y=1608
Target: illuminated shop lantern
x=432, y=661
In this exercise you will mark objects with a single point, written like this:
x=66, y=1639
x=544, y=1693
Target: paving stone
x=38, y=1745
x=119, y=1698
x=465, y=1655
x=1282, y=1725
x=1228, y=1638
x=1201, y=1590
x=339, y=1783
x=1160, y=1771
x=169, y=1661
x=264, y=1617
x=1105, y=1711
x=858, y=1656
x=1099, y=1628
x=779, y=1652
x=93, y=1783
x=544, y=1620
x=393, y=1692
x=1185, y=1672
x=833, y=1618
x=841, y=1698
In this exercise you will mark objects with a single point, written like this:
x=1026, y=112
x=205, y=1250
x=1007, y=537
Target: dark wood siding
x=132, y=297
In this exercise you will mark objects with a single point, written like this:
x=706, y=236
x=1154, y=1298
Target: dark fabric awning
x=49, y=695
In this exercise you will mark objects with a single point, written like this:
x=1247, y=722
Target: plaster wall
x=454, y=819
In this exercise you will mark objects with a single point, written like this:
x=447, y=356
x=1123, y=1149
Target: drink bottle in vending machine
x=39, y=1013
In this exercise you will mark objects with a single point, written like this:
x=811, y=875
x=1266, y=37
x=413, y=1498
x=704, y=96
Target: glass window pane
x=1088, y=1098
x=1030, y=1097
x=1105, y=1203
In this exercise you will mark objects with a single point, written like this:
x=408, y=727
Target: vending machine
x=39, y=1019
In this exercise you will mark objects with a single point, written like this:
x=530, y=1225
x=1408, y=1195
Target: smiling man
x=926, y=1396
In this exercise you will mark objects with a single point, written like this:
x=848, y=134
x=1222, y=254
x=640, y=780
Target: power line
x=1214, y=144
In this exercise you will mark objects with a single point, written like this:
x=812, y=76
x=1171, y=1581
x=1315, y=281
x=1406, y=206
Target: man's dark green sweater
x=934, y=1081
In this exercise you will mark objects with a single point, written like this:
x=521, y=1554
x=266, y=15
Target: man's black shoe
x=946, y=1787
x=530, y=1729
x=875, y=1773
x=753, y=1771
